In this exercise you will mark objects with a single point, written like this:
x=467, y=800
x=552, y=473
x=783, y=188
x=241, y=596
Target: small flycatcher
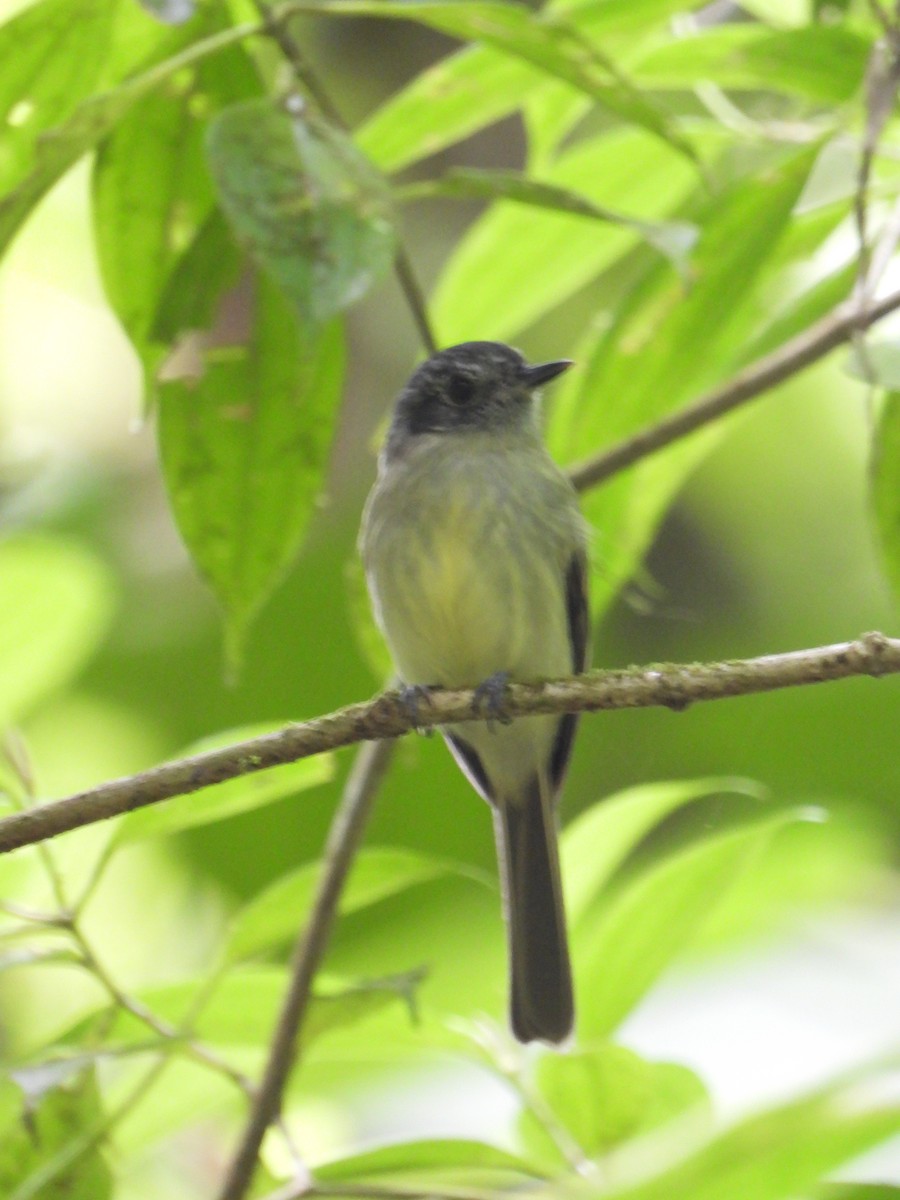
x=475, y=554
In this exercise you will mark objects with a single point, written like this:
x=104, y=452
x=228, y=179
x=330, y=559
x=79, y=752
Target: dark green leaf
x=204, y=273
x=885, y=486
x=243, y=451
x=311, y=209
x=153, y=196
x=52, y=54
x=634, y=937
x=272, y=917
x=608, y=1094
x=859, y=1191
x=778, y=1154
x=674, y=239
x=228, y=798
x=595, y=844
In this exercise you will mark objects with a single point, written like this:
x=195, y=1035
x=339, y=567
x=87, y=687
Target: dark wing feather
x=579, y=636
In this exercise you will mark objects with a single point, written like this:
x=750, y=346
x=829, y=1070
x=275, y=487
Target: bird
x=475, y=553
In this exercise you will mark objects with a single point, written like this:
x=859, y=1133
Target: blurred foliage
x=664, y=191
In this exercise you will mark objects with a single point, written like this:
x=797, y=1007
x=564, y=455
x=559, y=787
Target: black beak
x=544, y=372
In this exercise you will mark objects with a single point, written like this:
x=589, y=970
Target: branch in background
x=664, y=685
x=344, y=838
x=794, y=356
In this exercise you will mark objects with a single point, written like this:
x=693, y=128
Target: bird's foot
x=490, y=699
x=412, y=697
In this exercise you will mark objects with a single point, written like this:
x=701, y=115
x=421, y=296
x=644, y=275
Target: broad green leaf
x=52, y=54
x=152, y=191
x=674, y=239
x=56, y=602
x=228, y=798
x=859, y=1191
x=824, y=63
x=645, y=364
x=479, y=84
x=208, y=268
x=63, y=145
x=433, y=1163
x=595, y=844
x=243, y=450
x=272, y=917
x=311, y=209
x=607, y=1095
x=885, y=487
x=778, y=1154
x=634, y=937
x=52, y=1152
x=488, y=292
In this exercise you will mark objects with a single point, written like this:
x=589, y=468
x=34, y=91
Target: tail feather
x=541, y=1006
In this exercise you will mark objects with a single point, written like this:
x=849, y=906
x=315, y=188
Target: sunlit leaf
x=52, y=54
x=488, y=292
x=432, y=1163
x=606, y=1095
x=595, y=844
x=478, y=85
x=674, y=239
x=778, y=1154
x=885, y=487
x=243, y=450
x=273, y=916
x=310, y=208
x=825, y=63
x=228, y=798
x=636, y=935
x=56, y=601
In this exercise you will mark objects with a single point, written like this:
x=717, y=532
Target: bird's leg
x=490, y=699
x=412, y=697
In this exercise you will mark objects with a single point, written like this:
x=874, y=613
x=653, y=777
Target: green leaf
x=488, y=292
x=272, y=917
x=310, y=208
x=243, y=451
x=56, y=601
x=607, y=1095
x=647, y=360
x=634, y=937
x=152, y=191
x=478, y=85
x=193, y=290
x=885, y=487
x=824, y=63
x=432, y=1163
x=595, y=844
x=52, y=54
x=231, y=797
x=674, y=239
x=64, y=144
x=50, y=1151
x=169, y=12
x=859, y=1191
x=778, y=1154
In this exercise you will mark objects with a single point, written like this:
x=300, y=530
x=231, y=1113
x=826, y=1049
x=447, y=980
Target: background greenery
x=660, y=190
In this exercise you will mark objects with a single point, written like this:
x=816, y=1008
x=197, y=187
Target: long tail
x=541, y=1005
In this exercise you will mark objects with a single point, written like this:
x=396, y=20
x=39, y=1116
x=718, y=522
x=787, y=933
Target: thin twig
x=665, y=685
x=788, y=360
x=300, y=1190
x=343, y=839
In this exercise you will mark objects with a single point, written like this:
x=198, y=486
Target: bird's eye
x=460, y=389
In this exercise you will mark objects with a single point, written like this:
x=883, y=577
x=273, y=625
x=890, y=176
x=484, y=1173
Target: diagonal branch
x=788, y=360
x=668, y=685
